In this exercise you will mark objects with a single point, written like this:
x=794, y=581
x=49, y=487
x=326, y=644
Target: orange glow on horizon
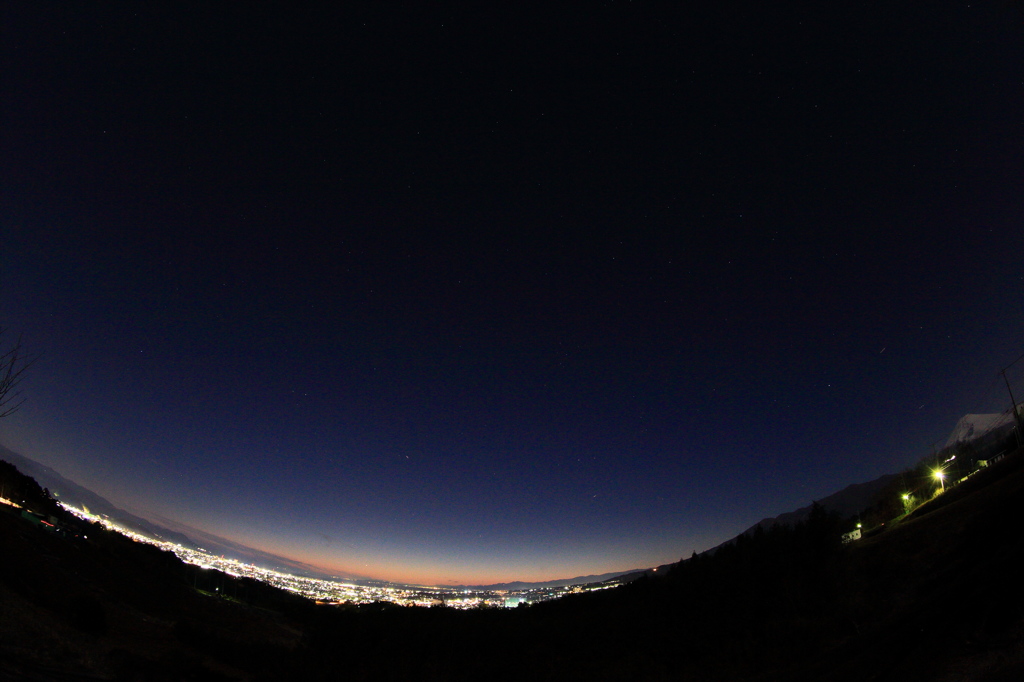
x=432, y=571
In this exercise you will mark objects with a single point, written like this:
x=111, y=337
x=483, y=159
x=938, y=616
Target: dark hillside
x=80, y=602
x=931, y=598
x=24, y=491
x=71, y=493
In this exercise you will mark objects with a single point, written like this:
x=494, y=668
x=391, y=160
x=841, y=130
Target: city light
x=326, y=591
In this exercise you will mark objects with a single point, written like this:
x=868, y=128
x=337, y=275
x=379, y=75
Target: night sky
x=473, y=293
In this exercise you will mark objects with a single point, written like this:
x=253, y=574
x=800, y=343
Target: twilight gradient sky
x=477, y=293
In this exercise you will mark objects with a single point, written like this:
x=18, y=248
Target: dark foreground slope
x=933, y=598
x=86, y=603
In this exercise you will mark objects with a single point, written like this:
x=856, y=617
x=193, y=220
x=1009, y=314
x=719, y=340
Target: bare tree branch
x=13, y=364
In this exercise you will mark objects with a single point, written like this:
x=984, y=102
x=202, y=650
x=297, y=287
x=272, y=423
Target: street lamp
x=941, y=476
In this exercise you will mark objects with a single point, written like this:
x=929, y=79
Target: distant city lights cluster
x=328, y=591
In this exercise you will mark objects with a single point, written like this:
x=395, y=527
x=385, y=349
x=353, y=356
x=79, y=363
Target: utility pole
x=1013, y=406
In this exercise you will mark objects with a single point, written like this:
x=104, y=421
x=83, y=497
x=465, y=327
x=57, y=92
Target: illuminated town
x=327, y=591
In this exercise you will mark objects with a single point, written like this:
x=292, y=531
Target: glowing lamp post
x=941, y=477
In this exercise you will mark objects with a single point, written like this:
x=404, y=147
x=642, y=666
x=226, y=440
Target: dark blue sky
x=474, y=294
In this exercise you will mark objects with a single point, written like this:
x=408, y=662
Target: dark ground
x=934, y=597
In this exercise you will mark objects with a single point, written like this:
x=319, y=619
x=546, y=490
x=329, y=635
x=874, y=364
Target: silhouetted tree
x=23, y=489
x=13, y=364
